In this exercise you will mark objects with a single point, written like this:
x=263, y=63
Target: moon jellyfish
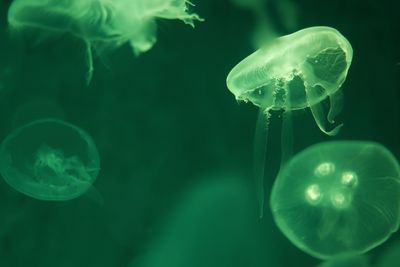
x=49, y=159
x=100, y=23
x=293, y=72
x=338, y=198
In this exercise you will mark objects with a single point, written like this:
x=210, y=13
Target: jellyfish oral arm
x=336, y=105
x=319, y=114
x=89, y=62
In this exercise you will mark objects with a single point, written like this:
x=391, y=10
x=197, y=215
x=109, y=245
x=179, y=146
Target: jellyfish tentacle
x=260, y=149
x=286, y=137
x=319, y=114
x=89, y=62
x=336, y=105
x=287, y=128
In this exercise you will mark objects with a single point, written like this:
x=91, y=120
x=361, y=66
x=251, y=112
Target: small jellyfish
x=49, y=159
x=338, y=198
x=293, y=72
x=101, y=24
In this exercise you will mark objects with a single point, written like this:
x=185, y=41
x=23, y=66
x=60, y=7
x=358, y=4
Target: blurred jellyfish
x=271, y=17
x=213, y=226
x=293, y=72
x=101, y=24
x=338, y=198
x=49, y=159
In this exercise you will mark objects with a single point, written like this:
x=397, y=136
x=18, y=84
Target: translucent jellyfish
x=100, y=23
x=294, y=72
x=49, y=159
x=338, y=198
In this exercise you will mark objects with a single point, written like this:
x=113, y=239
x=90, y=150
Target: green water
x=175, y=186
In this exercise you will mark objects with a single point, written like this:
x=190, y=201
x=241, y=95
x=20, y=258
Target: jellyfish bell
x=338, y=198
x=293, y=72
x=49, y=159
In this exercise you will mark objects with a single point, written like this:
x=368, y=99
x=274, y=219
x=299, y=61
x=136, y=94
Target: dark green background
x=175, y=146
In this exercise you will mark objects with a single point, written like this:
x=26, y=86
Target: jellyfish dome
x=49, y=159
x=294, y=72
x=338, y=198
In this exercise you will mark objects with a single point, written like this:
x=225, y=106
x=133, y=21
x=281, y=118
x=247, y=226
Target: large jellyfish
x=338, y=198
x=100, y=23
x=49, y=159
x=293, y=72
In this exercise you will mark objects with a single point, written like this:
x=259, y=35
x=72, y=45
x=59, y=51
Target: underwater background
x=175, y=147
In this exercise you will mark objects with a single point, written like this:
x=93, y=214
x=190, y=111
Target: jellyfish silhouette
x=49, y=159
x=338, y=198
x=101, y=24
x=293, y=72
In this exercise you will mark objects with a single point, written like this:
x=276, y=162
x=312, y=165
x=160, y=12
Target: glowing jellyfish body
x=49, y=160
x=100, y=23
x=338, y=198
x=293, y=72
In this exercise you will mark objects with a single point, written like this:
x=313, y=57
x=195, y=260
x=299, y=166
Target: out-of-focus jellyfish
x=49, y=159
x=100, y=23
x=264, y=29
x=347, y=261
x=338, y=198
x=211, y=224
x=294, y=72
x=267, y=24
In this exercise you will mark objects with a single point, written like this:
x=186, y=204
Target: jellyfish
x=264, y=29
x=101, y=24
x=209, y=226
x=293, y=72
x=266, y=25
x=338, y=198
x=49, y=159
